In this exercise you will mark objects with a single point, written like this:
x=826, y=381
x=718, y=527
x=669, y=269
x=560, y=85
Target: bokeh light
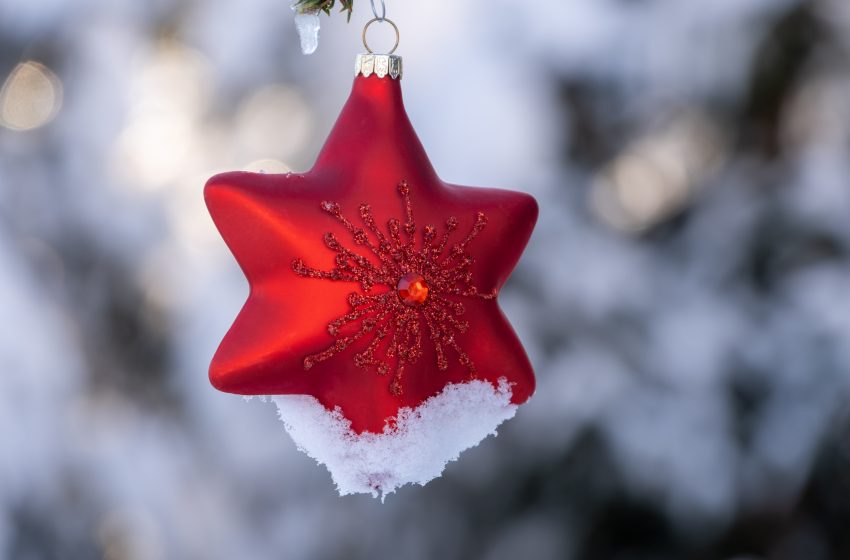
x=30, y=98
x=168, y=97
x=275, y=118
x=656, y=176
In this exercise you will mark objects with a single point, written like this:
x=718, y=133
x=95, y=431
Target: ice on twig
x=307, y=24
x=415, y=449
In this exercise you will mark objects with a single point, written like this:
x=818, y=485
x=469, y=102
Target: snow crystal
x=414, y=449
x=307, y=24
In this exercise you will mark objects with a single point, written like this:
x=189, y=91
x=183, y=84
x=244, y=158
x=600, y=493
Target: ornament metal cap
x=382, y=65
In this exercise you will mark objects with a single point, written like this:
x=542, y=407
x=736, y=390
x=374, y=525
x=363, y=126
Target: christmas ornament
x=372, y=316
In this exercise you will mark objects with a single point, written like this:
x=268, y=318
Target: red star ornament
x=373, y=283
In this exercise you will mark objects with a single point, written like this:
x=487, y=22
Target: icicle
x=307, y=24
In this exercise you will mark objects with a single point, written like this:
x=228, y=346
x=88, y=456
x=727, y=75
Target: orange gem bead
x=412, y=289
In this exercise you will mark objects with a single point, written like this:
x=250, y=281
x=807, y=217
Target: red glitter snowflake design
x=420, y=278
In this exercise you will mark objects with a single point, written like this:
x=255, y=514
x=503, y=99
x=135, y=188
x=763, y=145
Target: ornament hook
x=377, y=19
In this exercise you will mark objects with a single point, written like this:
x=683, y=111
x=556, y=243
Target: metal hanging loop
x=383, y=15
x=382, y=20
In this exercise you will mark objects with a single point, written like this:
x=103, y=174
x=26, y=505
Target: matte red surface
x=267, y=220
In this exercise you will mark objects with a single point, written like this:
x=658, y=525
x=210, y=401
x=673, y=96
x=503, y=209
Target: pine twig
x=307, y=6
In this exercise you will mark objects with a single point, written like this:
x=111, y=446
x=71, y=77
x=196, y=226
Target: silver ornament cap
x=381, y=65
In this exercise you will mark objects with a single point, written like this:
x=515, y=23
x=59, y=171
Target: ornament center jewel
x=412, y=289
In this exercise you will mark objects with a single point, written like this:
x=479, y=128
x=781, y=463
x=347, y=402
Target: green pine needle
x=304, y=6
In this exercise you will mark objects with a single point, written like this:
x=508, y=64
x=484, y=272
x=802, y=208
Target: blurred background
x=685, y=298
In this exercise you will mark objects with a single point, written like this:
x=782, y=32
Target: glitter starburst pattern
x=410, y=286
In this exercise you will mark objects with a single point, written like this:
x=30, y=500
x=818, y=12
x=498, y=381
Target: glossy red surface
x=268, y=220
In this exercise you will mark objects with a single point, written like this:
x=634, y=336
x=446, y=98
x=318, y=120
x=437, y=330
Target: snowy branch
x=313, y=6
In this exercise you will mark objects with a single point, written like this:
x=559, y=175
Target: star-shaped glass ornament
x=373, y=318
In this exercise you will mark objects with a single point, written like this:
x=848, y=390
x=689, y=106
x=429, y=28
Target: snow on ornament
x=372, y=318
